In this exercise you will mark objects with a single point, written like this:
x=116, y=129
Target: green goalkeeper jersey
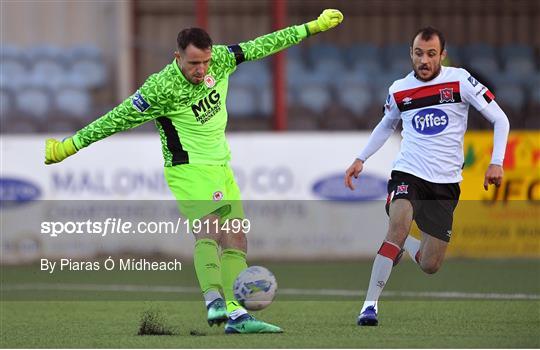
x=191, y=119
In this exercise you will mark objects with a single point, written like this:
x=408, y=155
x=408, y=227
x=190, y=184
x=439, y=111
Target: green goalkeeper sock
x=207, y=265
x=233, y=262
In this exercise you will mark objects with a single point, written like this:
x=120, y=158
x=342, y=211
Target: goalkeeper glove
x=328, y=19
x=56, y=151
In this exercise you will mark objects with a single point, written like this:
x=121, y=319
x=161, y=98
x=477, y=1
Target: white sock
x=412, y=246
x=382, y=267
x=237, y=313
x=211, y=295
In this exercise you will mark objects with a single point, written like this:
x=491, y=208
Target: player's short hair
x=196, y=36
x=427, y=33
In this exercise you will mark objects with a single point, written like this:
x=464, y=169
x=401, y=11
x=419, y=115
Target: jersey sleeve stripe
x=488, y=96
x=238, y=53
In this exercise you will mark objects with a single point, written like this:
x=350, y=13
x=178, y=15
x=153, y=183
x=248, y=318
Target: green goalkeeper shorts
x=205, y=189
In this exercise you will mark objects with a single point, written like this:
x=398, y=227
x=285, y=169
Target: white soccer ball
x=255, y=288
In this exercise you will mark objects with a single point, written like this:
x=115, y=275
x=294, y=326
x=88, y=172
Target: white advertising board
x=292, y=184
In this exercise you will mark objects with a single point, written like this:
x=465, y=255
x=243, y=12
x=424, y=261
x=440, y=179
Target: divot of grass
x=153, y=323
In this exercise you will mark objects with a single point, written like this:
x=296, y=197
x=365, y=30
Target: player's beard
x=431, y=77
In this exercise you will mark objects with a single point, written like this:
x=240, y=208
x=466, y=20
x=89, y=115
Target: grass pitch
x=469, y=304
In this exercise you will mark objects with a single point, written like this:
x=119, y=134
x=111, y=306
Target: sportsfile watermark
x=131, y=250
x=116, y=226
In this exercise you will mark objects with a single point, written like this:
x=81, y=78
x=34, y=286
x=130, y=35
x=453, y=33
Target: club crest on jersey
x=209, y=81
x=402, y=189
x=447, y=95
x=430, y=121
x=217, y=196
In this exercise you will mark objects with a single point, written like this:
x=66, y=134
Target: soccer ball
x=255, y=288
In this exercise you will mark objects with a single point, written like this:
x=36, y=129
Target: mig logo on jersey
x=208, y=107
x=430, y=121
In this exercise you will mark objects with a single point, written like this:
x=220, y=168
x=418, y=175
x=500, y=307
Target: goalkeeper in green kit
x=187, y=102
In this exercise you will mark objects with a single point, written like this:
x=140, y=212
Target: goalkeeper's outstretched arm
x=269, y=44
x=146, y=104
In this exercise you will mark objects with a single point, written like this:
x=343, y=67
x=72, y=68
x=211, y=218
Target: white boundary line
x=284, y=291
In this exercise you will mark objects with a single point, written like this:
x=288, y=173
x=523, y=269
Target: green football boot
x=247, y=324
x=217, y=312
